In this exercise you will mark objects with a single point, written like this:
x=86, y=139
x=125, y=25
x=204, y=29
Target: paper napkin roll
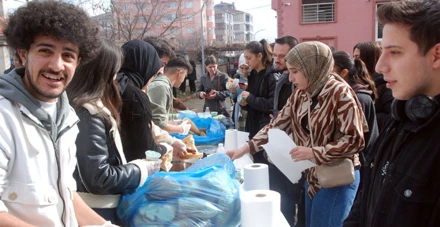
x=231, y=139
x=256, y=177
x=260, y=208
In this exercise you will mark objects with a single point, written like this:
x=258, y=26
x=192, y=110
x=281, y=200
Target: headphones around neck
x=418, y=108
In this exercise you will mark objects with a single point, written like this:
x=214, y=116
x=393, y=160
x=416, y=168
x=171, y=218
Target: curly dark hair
x=53, y=18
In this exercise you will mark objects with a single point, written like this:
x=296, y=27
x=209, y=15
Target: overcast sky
x=265, y=22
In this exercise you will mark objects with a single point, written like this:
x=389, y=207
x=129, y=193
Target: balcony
x=320, y=12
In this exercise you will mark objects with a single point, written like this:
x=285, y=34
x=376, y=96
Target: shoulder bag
x=336, y=173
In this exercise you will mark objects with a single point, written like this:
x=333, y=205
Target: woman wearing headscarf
x=141, y=64
x=332, y=131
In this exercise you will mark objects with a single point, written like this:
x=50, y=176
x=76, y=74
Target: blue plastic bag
x=206, y=194
x=215, y=130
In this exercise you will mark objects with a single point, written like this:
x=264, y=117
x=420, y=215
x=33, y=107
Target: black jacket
x=136, y=124
x=100, y=166
x=283, y=91
x=402, y=181
x=383, y=102
x=363, y=94
x=261, y=87
x=193, y=74
x=140, y=64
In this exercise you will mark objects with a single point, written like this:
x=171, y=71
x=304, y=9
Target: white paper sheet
x=235, y=139
x=278, y=149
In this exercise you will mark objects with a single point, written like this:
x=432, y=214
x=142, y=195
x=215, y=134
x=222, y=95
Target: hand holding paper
x=278, y=149
x=302, y=153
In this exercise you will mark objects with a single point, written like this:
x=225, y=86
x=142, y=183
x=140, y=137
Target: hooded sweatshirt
x=40, y=193
x=140, y=64
x=13, y=88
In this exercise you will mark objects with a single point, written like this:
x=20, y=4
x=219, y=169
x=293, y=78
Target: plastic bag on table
x=215, y=130
x=205, y=195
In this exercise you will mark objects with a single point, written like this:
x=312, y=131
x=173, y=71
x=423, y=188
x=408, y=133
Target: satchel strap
x=310, y=125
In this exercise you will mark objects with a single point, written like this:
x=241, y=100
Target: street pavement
x=192, y=102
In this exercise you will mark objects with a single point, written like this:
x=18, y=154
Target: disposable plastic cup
x=152, y=155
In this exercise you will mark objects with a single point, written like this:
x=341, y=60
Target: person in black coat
x=355, y=73
x=102, y=173
x=141, y=64
x=192, y=77
x=258, y=97
x=402, y=180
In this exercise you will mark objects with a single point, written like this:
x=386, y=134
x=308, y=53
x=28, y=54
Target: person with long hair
x=355, y=73
x=326, y=123
x=102, y=172
x=369, y=53
x=258, y=96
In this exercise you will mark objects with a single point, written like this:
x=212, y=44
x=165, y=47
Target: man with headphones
x=402, y=180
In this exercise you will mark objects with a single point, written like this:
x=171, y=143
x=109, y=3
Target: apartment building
x=232, y=25
x=181, y=21
x=338, y=23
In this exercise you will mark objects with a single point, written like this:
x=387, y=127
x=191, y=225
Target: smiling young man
x=37, y=126
x=402, y=181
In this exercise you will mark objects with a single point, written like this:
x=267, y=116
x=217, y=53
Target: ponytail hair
x=357, y=71
x=262, y=47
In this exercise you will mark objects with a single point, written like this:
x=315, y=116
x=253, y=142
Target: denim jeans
x=330, y=206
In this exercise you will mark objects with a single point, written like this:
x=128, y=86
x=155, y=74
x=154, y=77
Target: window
x=236, y=17
x=171, y=5
x=141, y=6
x=141, y=20
x=218, y=16
x=158, y=25
x=189, y=17
x=248, y=28
x=190, y=30
x=156, y=12
x=219, y=37
x=210, y=18
x=189, y=4
x=125, y=8
x=236, y=27
x=379, y=26
x=168, y=17
x=318, y=11
x=248, y=18
x=220, y=26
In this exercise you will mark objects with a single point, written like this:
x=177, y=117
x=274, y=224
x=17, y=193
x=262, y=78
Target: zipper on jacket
x=57, y=153
x=63, y=215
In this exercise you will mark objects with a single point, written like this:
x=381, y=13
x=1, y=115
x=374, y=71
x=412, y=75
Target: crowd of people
x=78, y=112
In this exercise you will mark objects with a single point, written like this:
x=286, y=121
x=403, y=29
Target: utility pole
x=203, y=37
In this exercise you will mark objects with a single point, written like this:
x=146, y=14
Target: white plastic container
x=207, y=112
x=221, y=149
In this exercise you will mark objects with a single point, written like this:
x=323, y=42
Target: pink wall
x=354, y=22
